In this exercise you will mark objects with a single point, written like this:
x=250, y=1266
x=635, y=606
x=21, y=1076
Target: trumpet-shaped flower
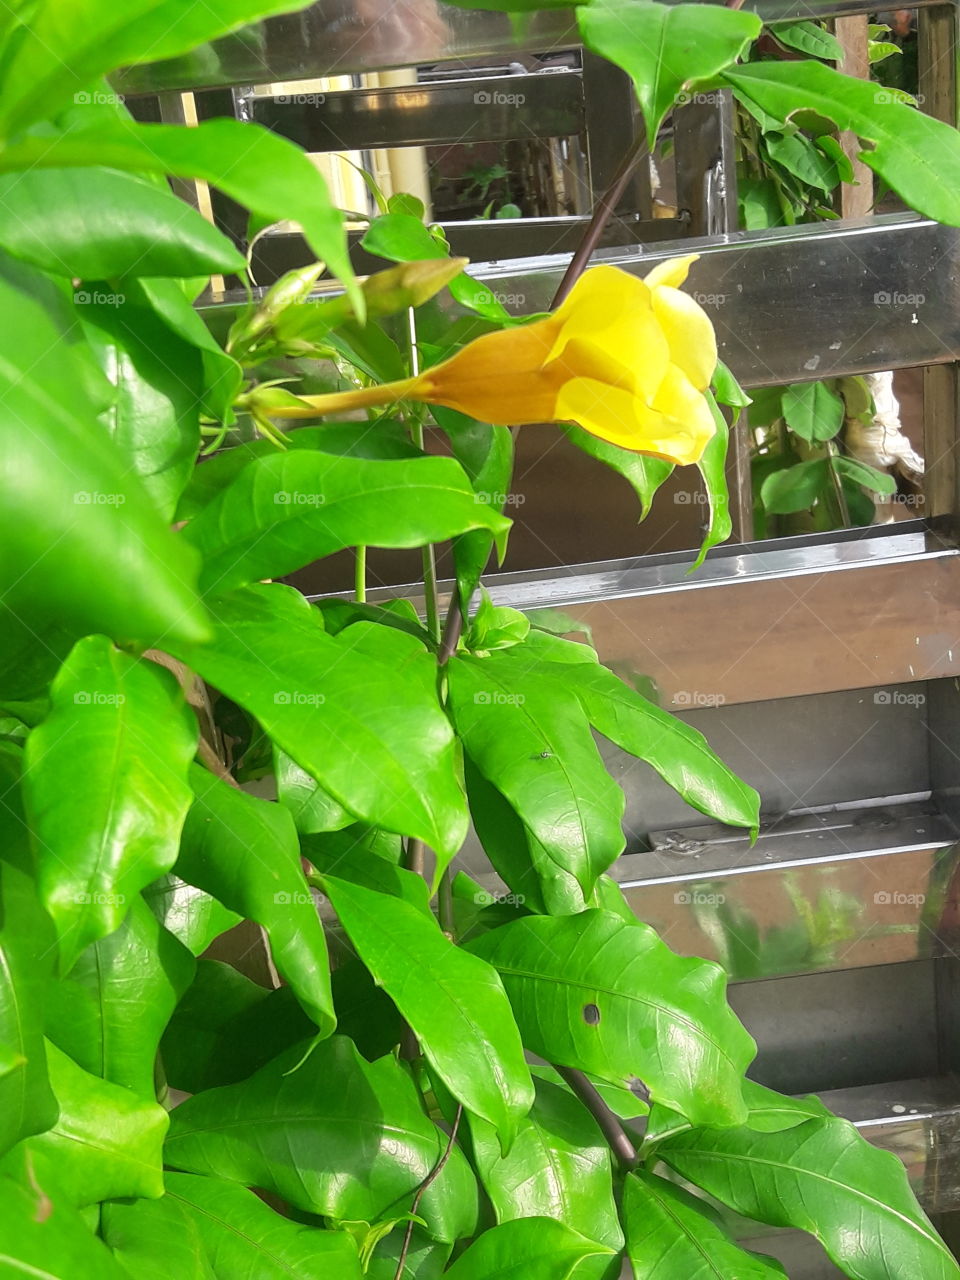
x=626, y=359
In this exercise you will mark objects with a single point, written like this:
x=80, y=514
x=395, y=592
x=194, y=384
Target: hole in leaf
x=591, y=1015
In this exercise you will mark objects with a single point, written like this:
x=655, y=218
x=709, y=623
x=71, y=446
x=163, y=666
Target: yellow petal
x=614, y=415
x=689, y=333
x=686, y=409
x=632, y=353
x=602, y=300
x=672, y=272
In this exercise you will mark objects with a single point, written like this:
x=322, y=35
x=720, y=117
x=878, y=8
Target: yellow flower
x=626, y=359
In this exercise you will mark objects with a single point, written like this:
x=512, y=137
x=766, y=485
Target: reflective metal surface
x=341, y=36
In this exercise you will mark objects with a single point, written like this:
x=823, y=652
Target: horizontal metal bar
x=337, y=37
x=498, y=108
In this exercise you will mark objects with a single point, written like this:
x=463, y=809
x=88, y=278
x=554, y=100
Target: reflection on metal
x=335, y=37
x=547, y=105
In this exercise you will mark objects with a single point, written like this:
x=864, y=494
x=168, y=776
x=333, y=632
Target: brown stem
x=431, y=1177
x=614, y=1132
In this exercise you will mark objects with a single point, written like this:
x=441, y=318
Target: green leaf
x=289, y=509
x=795, y=488
x=155, y=417
x=383, y=439
x=355, y=859
x=644, y=474
x=670, y=1233
x=42, y=1235
x=372, y=690
x=425, y=1259
x=226, y=1027
x=806, y=161
x=529, y=737
x=83, y=548
x=770, y=1112
x=808, y=37
x=311, y=808
x=594, y=992
x=713, y=468
x=559, y=1167
x=664, y=48
x=27, y=949
x=678, y=752
x=917, y=155
x=727, y=390
x=107, y=1142
x=454, y=1002
x=350, y=1152
x=192, y=916
x=869, y=477
x=496, y=627
x=822, y=1177
x=244, y=851
x=231, y=1233
x=98, y=224
x=105, y=788
x=812, y=410
x=526, y=1249
x=109, y=1013
x=262, y=171
x=58, y=53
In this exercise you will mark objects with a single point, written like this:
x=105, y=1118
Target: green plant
x=381, y=1105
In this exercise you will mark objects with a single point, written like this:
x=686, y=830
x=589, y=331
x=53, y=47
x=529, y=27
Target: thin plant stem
x=360, y=575
x=617, y=1137
x=432, y=1176
x=841, y=497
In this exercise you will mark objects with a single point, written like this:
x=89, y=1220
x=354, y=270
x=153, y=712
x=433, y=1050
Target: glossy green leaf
x=770, y=1111
x=808, y=37
x=644, y=475
x=804, y=159
x=356, y=862
x=529, y=737
x=727, y=390
x=27, y=952
x=154, y=1239
x=426, y=1259
x=107, y=1142
x=371, y=690
x=43, y=1236
x=822, y=1177
x=241, y=1238
x=262, y=171
x=287, y=510
x=158, y=380
x=383, y=439
x=59, y=53
x=192, y=916
x=105, y=788
x=869, y=477
x=526, y=1249
x=671, y=1233
x=664, y=48
x=595, y=992
x=496, y=626
x=109, y=1013
x=454, y=1002
x=713, y=469
x=311, y=808
x=98, y=224
x=678, y=752
x=82, y=547
x=795, y=488
x=365, y=1012
x=226, y=1027
x=356, y=1151
x=244, y=851
x=812, y=410
x=559, y=1167
x=917, y=155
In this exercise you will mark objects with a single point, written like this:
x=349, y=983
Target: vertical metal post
x=612, y=123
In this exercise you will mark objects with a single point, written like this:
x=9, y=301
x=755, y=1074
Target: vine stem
x=360, y=576
x=432, y=1176
x=610, y=1126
